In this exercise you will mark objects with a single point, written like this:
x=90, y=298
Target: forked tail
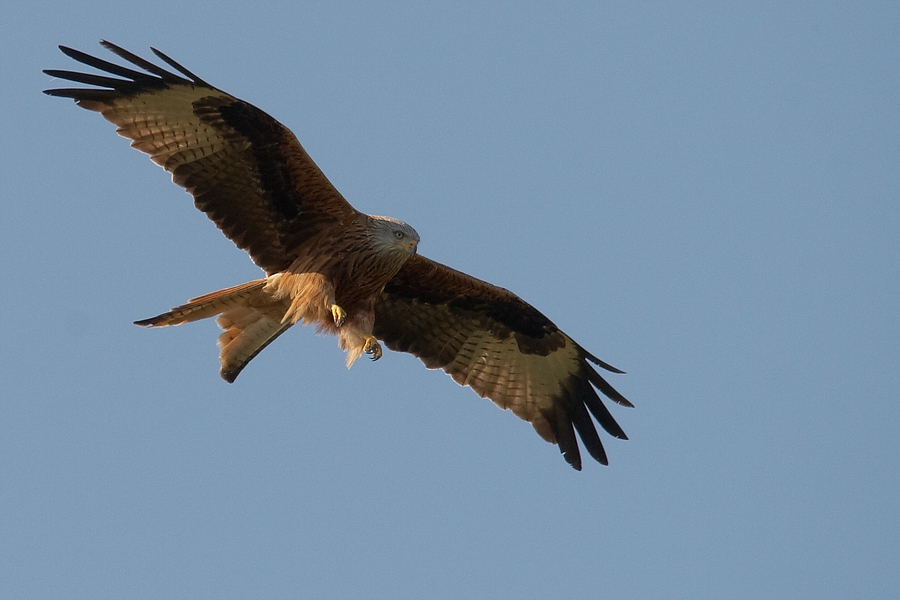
x=250, y=320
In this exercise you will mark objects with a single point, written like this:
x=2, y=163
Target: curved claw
x=373, y=348
x=338, y=314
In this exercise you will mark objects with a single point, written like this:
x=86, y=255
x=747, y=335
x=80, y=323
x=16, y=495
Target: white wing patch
x=165, y=126
x=522, y=383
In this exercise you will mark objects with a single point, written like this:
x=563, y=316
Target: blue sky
x=705, y=197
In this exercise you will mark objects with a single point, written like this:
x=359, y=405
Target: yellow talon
x=372, y=347
x=338, y=314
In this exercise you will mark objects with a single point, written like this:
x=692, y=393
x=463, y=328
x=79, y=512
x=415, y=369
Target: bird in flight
x=350, y=274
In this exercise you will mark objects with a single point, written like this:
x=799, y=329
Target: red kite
x=350, y=274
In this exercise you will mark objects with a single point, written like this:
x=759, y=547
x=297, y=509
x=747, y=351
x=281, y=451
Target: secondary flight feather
x=352, y=275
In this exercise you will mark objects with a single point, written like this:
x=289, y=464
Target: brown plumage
x=350, y=274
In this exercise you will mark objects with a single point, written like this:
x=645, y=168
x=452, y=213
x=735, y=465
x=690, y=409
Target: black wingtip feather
x=602, y=414
x=600, y=363
x=563, y=430
x=588, y=433
x=606, y=389
x=178, y=67
x=148, y=66
x=105, y=65
x=89, y=79
x=132, y=81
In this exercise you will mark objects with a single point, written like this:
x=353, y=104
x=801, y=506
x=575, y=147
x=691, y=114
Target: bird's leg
x=339, y=314
x=372, y=347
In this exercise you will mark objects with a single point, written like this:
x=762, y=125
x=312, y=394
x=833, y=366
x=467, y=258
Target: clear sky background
x=705, y=197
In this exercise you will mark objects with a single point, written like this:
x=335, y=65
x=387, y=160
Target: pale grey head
x=394, y=236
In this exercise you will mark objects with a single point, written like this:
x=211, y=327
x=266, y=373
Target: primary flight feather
x=353, y=275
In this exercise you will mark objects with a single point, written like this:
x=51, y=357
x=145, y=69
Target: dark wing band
x=489, y=339
x=246, y=171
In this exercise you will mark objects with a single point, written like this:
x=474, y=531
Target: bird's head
x=393, y=235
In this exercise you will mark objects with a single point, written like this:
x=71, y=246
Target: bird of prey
x=350, y=274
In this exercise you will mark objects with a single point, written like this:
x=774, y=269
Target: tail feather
x=249, y=317
x=208, y=305
x=245, y=332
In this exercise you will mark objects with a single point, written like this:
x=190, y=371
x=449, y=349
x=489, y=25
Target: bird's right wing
x=246, y=171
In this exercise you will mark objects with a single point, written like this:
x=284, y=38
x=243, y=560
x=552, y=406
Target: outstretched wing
x=246, y=171
x=488, y=338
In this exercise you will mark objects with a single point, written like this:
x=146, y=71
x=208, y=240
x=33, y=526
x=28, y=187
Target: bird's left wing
x=488, y=338
x=246, y=170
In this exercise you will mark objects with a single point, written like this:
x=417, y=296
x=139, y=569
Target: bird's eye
x=398, y=235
